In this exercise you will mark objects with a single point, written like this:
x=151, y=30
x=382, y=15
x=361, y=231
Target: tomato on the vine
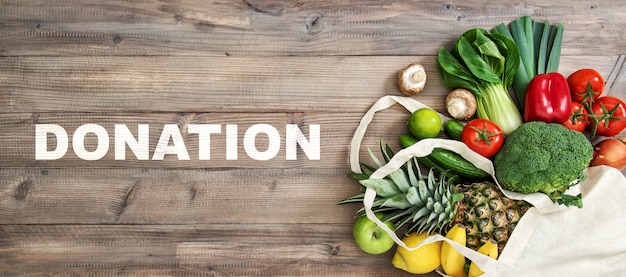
x=585, y=84
x=483, y=136
x=578, y=119
x=609, y=116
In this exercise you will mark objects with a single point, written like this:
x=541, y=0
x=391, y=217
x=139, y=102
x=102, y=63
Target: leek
x=484, y=63
x=539, y=47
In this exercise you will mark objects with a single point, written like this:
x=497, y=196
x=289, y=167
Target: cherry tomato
x=610, y=116
x=585, y=83
x=577, y=120
x=483, y=136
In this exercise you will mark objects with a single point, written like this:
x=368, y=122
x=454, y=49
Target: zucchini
x=453, y=128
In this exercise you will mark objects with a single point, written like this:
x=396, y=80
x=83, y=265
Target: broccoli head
x=543, y=157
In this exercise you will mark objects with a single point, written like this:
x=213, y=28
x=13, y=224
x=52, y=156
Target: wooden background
x=73, y=62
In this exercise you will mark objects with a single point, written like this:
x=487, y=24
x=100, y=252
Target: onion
x=611, y=152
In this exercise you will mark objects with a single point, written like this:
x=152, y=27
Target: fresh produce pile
x=508, y=103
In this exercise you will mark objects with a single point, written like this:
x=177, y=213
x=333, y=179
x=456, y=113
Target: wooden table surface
x=228, y=63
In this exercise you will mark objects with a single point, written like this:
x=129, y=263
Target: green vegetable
x=484, y=64
x=457, y=164
x=539, y=47
x=543, y=157
x=445, y=160
x=407, y=140
x=453, y=128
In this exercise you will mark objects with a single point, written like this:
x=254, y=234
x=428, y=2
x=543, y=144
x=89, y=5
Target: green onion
x=539, y=47
x=484, y=64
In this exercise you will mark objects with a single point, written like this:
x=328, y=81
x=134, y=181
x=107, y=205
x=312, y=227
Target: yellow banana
x=490, y=248
x=453, y=262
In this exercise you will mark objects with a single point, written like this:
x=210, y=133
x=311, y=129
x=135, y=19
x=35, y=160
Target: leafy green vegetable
x=543, y=157
x=484, y=64
x=539, y=47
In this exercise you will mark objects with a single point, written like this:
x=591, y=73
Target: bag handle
x=383, y=103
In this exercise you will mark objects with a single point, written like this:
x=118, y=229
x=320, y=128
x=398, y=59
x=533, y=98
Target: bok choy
x=484, y=63
x=539, y=46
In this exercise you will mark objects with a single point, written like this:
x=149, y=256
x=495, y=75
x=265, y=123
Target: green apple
x=371, y=238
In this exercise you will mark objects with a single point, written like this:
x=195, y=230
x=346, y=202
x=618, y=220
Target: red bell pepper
x=547, y=99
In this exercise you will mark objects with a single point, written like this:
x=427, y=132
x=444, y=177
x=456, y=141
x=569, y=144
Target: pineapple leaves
x=421, y=213
x=358, y=176
x=412, y=176
x=406, y=196
x=383, y=187
x=422, y=191
x=374, y=158
x=398, y=214
x=398, y=201
x=413, y=197
x=353, y=199
x=398, y=176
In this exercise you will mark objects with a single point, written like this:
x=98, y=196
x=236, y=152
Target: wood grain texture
x=209, y=84
x=253, y=27
x=187, y=250
x=168, y=196
x=156, y=62
x=230, y=84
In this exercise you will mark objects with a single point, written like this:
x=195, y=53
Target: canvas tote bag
x=550, y=239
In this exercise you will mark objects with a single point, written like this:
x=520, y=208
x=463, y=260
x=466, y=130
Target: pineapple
x=436, y=203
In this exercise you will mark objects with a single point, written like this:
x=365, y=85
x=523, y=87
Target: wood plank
x=202, y=84
x=188, y=250
x=253, y=28
x=227, y=84
x=155, y=196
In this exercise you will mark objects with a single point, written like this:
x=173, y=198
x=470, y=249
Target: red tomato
x=610, y=116
x=483, y=136
x=580, y=80
x=577, y=120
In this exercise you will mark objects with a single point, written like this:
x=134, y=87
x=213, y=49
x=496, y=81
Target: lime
x=424, y=123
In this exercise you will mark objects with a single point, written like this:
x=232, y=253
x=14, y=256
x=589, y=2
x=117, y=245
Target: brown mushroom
x=412, y=79
x=461, y=104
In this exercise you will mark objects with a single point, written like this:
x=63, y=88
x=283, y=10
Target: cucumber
x=453, y=128
x=407, y=140
x=428, y=162
x=443, y=159
x=457, y=164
